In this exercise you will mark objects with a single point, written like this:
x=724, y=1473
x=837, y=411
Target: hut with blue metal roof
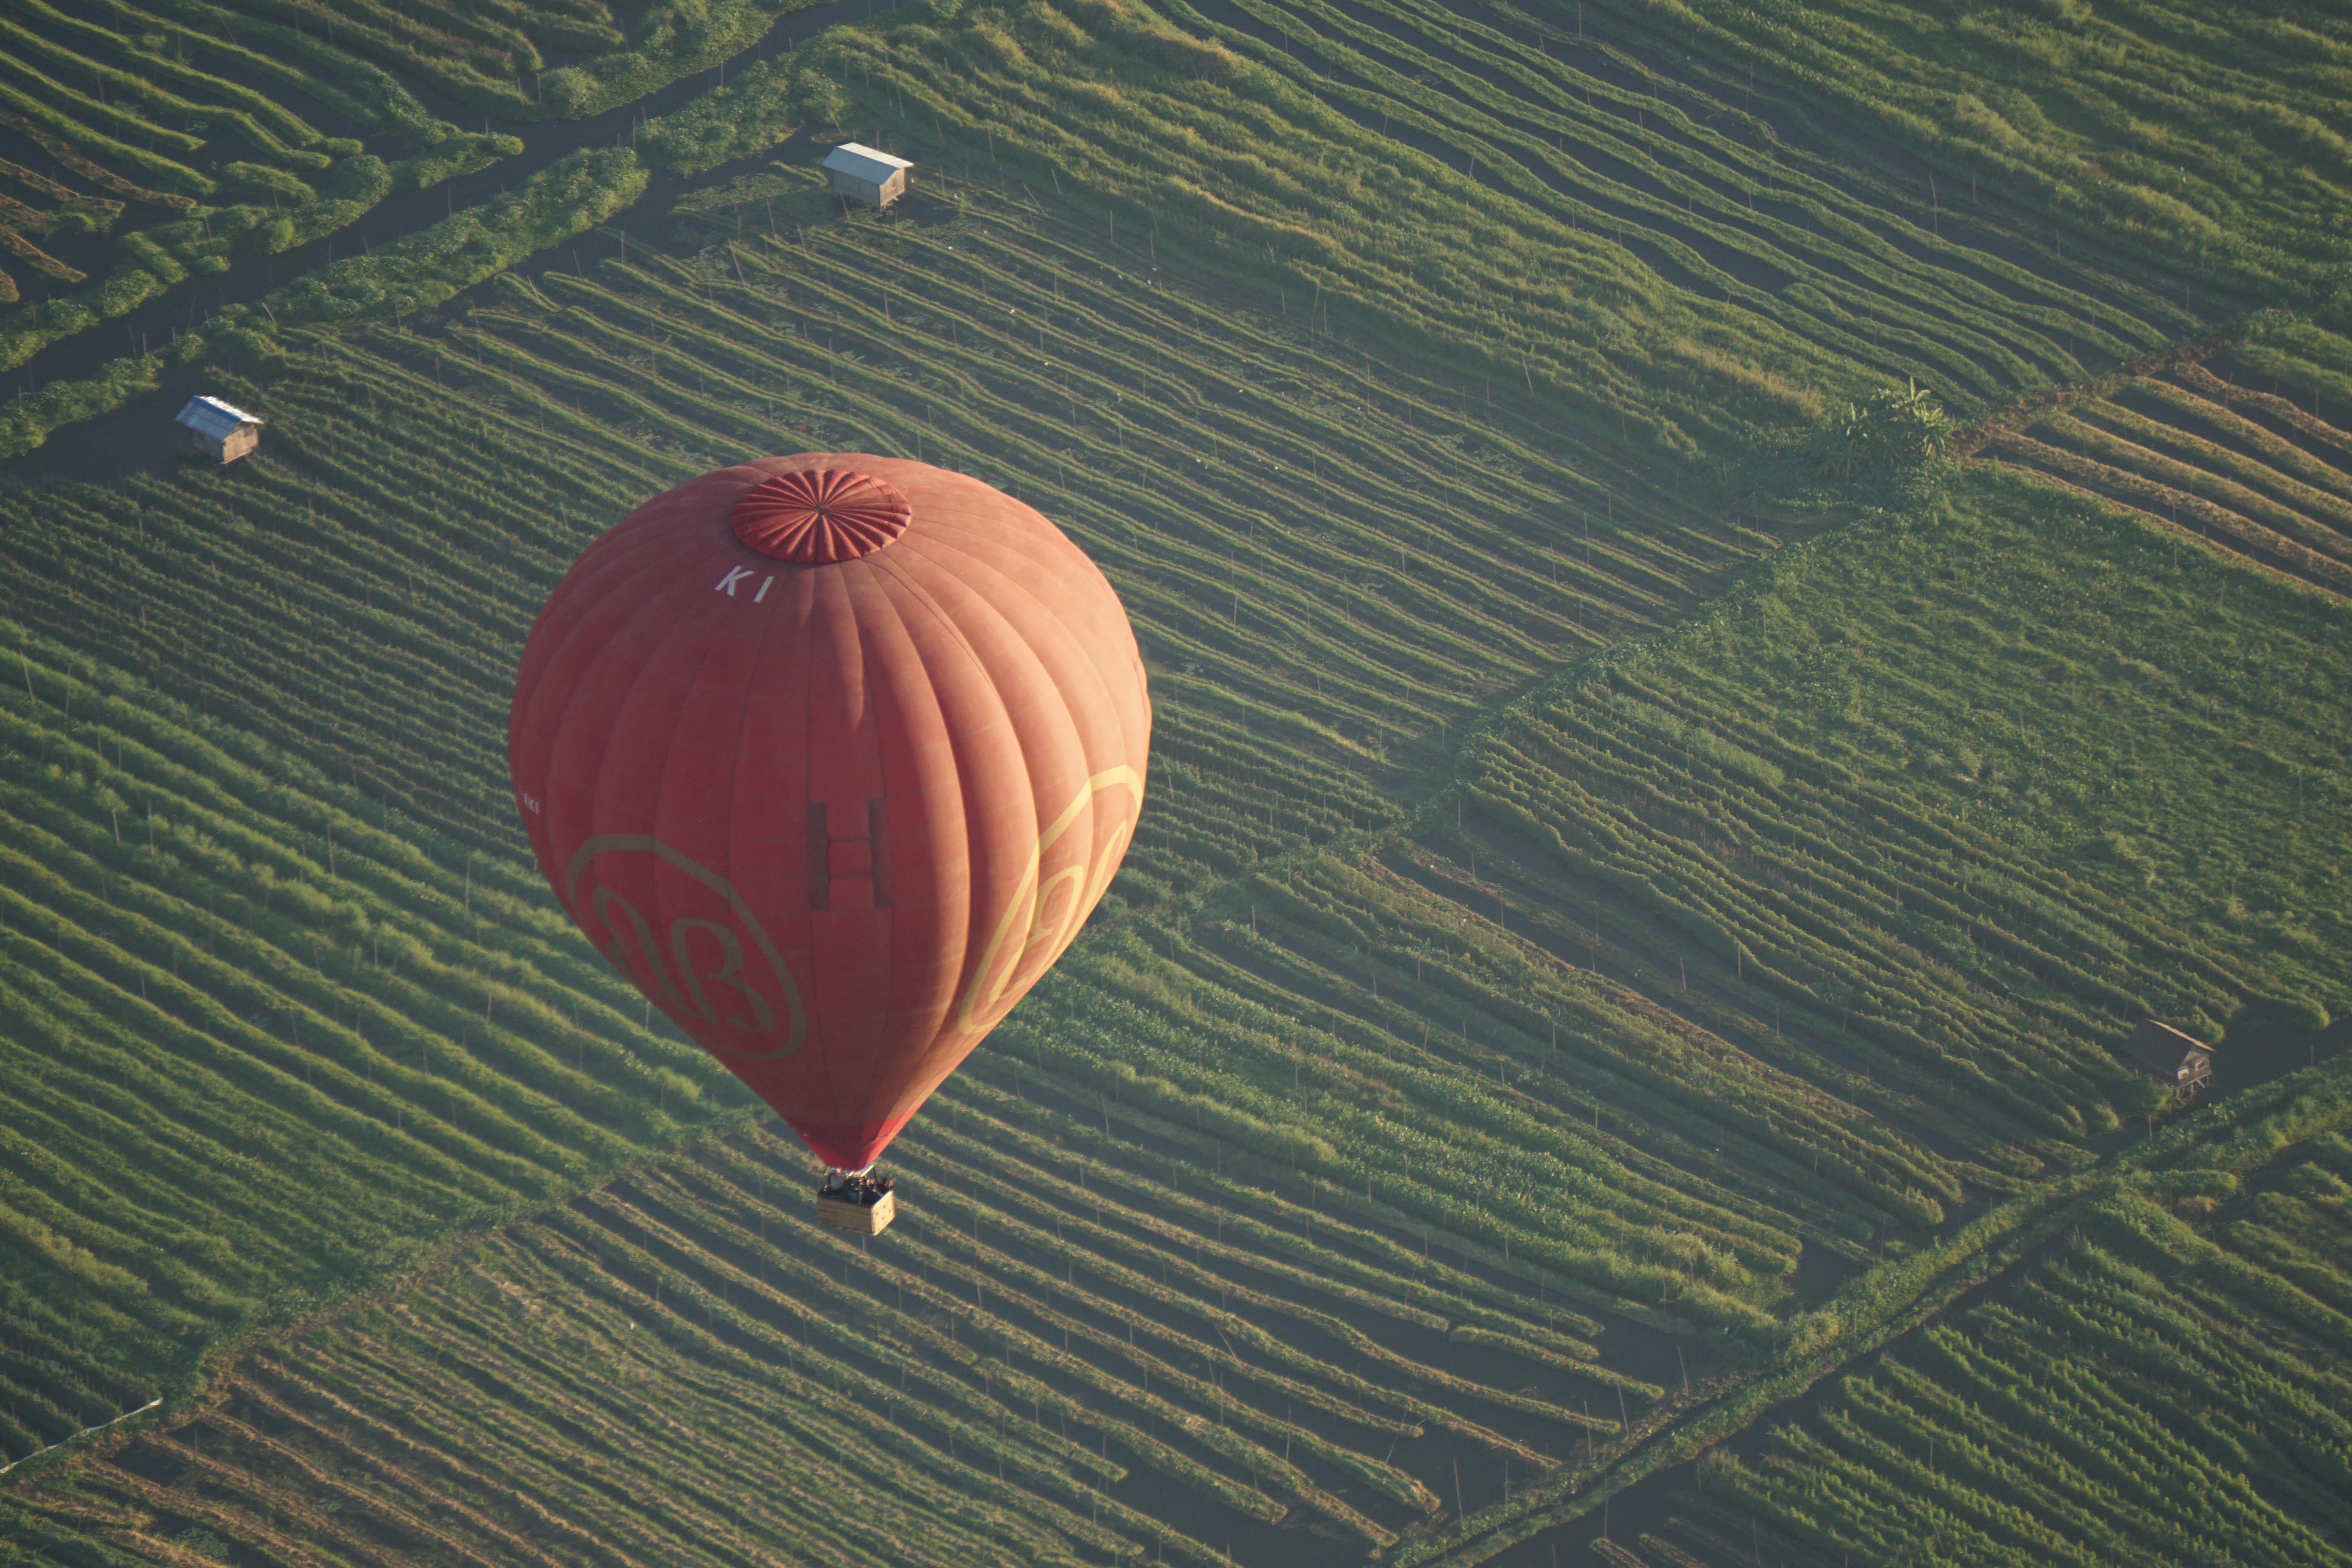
x=221, y=431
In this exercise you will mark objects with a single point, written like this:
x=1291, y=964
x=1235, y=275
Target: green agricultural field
x=256, y=1039
x=1605, y=1043
x=2232, y=446
x=2211, y=137
x=1996, y=871
x=1674, y=262
x=2163, y=1339
x=163, y=151
x=147, y=149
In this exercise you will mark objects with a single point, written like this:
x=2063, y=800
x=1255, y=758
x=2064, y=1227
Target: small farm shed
x=221, y=431
x=860, y=173
x=2180, y=1062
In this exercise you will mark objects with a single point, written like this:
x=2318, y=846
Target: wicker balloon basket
x=850, y=1211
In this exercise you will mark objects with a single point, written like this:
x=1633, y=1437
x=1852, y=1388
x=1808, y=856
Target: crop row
x=1701, y=279
x=1024, y=1369
x=1971, y=887
x=1424, y=1065
x=1808, y=892
x=2209, y=447
x=262, y=1038
x=2109, y=1409
x=348, y=605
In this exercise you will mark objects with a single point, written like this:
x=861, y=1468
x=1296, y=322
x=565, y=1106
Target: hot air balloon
x=832, y=755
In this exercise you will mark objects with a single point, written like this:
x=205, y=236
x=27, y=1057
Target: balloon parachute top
x=820, y=516
x=856, y=1201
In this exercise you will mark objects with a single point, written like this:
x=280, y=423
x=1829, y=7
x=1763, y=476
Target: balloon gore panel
x=832, y=755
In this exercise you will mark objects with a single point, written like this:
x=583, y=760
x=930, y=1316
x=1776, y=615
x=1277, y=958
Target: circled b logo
x=697, y=968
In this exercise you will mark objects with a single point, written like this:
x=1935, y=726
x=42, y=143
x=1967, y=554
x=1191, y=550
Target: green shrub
x=1886, y=432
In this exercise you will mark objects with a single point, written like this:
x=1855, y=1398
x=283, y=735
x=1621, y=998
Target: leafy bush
x=1886, y=432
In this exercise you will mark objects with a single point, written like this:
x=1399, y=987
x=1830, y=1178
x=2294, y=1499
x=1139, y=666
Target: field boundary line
x=2025, y=1222
x=2014, y=417
x=78, y=1437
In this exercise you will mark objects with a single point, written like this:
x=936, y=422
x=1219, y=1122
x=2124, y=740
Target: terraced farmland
x=1341, y=1074
x=168, y=162
x=2159, y=1390
x=1232, y=1363
x=2229, y=446
x=367, y=614
x=1682, y=267
x=1969, y=887
x=1682, y=264
x=1328, y=558
x=266, y=1039
x=1609, y=954
x=2208, y=138
x=564, y=1389
x=193, y=135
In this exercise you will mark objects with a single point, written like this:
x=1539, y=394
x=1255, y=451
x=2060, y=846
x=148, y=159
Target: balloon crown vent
x=820, y=516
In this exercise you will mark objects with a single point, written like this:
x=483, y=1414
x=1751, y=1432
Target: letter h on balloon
x=849, y=858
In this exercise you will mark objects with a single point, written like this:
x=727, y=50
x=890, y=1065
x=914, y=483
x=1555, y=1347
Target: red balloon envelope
x=832, y=755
